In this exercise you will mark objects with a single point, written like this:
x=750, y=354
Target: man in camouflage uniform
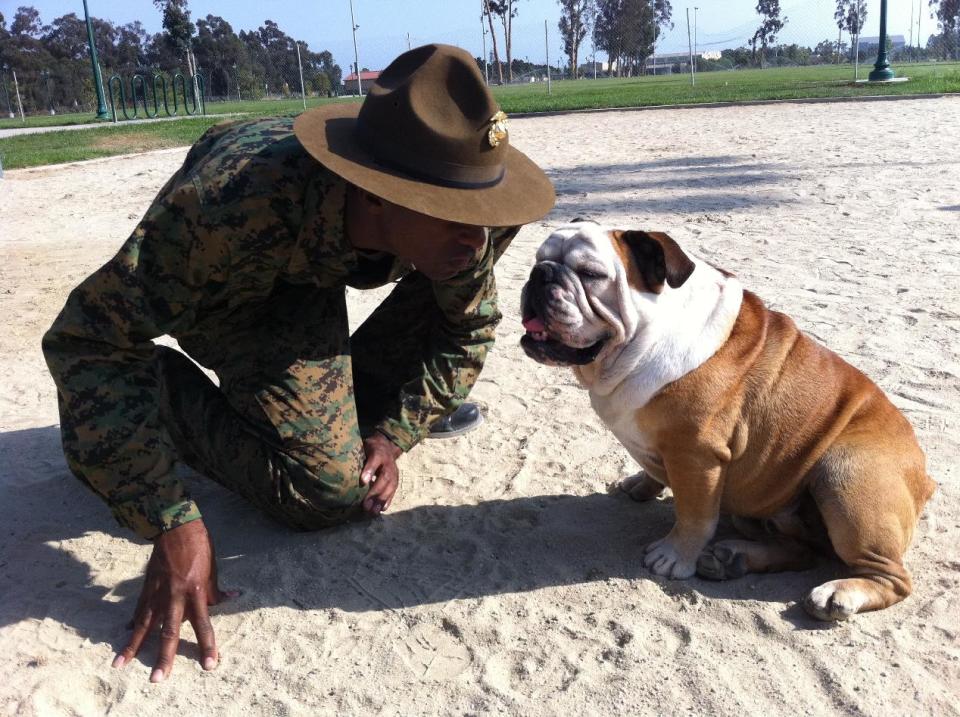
x=244, y=257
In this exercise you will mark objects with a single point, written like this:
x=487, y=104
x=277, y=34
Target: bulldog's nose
x=545, y=272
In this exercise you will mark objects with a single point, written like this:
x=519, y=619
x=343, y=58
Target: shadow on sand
x=423, y=555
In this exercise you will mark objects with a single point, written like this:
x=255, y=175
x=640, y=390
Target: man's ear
x=659, y=259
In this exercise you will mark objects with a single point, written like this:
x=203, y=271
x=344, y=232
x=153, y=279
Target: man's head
x=430, y=138
x=437, y=248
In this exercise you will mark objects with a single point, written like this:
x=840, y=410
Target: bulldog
x=735, y=410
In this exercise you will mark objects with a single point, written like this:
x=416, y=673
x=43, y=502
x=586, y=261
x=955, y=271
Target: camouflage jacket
x=259, y=210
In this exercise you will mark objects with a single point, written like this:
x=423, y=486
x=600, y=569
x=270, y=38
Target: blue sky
x=384, y=24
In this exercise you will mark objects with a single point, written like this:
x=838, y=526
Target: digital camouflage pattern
x=242, y=257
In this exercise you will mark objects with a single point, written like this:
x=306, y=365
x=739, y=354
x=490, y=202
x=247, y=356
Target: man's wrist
x=395, y=449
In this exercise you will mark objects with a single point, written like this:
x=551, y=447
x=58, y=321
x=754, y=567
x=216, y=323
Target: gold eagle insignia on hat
x=498, y=130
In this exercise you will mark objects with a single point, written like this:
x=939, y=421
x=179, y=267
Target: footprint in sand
x=434, y=653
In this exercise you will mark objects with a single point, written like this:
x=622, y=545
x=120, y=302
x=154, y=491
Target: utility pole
x=356, y=55
x=102, y=113
x=911, y=22
x=546, y=46
x=919, y=15
x=16, y=87
x=856, y=42
x=303, y=94
x=693, y=79
x=653, y=19
x=408, y=42
x=695, y=51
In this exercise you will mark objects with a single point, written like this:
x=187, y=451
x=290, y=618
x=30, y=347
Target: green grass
x=32, y=150
x=737, y=86
x=731, y=86
x=253, y=107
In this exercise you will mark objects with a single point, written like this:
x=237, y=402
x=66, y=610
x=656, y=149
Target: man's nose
x=473, y=237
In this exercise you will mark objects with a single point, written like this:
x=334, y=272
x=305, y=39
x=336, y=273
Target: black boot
x=461, y=421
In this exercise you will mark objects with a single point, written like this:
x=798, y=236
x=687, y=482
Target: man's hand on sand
x=380, y=472
x=180, y=584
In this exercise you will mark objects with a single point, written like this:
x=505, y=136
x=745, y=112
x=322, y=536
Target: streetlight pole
x=881, y=69
x=45, y=74
x=102, y=113
x=695, y=8
x=236, y=77
x=6, y=92
x=356, y=55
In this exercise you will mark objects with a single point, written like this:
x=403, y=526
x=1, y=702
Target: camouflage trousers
x=283, y=429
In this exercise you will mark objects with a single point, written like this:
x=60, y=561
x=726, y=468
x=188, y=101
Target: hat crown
x=428, y=115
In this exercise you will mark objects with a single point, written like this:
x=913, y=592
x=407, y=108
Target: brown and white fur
x=737, y=411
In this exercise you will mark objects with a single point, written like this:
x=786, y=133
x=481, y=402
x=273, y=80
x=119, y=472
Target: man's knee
x=316, y=494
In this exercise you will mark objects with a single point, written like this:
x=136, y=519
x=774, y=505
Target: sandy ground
x=506, y=579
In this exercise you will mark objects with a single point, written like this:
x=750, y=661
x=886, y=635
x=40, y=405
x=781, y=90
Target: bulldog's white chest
x=621, y=418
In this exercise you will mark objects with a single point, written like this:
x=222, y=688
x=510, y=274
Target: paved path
x=13, y=132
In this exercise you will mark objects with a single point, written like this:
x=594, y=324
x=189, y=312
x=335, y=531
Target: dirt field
x=506, y=579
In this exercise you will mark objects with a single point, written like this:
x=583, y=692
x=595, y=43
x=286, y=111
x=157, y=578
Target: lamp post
x=6, y=91
x=881, y=69
x=236, y=76
x=356, y=56
x=695, y=38
x=97, y=81
x=45, y=74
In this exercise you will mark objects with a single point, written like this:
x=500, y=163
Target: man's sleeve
x=455, y=350
x=99, y=351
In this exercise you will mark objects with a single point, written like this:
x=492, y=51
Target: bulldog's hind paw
x=835, y=600
x=641, y=487
x=719, y=562
x=662, y=558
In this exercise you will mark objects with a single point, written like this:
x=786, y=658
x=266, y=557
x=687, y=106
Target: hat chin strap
x=424, y=168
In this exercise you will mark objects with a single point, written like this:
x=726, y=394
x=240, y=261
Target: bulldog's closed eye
x=589, y=274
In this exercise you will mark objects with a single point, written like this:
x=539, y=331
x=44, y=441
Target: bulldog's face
x=585, y=292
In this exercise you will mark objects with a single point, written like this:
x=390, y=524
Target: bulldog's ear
x=659, y=259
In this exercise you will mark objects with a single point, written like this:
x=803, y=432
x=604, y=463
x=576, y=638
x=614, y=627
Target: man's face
x=437, y=248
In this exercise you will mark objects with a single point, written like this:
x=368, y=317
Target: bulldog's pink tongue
x=536, y=329
x=534, y=325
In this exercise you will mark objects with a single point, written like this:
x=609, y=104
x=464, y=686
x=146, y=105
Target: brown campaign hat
x=430, y=137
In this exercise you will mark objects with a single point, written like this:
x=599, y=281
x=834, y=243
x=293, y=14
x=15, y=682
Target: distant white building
x=896, y=41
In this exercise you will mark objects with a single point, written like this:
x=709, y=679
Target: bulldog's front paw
x=663, y=558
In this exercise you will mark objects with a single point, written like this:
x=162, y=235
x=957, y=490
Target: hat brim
x=525, y=194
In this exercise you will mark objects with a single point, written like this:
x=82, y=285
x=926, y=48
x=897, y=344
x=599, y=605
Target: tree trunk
x=507, y=30
x=839, y=40
x=493, y=38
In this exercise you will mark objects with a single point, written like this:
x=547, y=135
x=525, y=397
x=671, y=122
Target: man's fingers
x=382, y=492
x=169, y=640
x=142, y=623
x=203, y=629
x=370, y=468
